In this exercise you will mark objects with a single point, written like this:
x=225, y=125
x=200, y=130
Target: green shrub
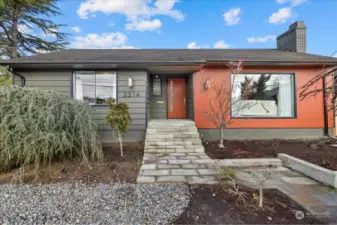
x=119, y=118
x=39, y=127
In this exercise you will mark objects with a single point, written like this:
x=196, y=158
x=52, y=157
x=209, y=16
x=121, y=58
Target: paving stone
x=166, y=150
x=162, y=161
x=154, y=161
x=158, y=172
x=186, y=150
x=168, y=157
x=298, y=180
x=203, y=161
x=199, y=150
x=196, y=154
x=212, y=166
x=168, y=166
x=201, y=179
x=203, y=157
x=178, y=154
x=305, y=199
x=193, y=166
x=188, y=157
x=143, y=179
x=207, y=171
x=171, y=179
x=148, y=167
x=326, y=199
x=179, y=161
x=184, y=172
x=152, y=157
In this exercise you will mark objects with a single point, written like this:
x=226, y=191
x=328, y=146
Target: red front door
x=176, y=107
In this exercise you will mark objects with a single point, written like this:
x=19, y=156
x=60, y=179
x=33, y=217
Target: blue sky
x=196, y=23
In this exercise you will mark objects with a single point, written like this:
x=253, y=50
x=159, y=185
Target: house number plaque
x=130, y=94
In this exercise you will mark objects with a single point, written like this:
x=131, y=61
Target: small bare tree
x=218, y=94
x=261, y=177
x=327, y=76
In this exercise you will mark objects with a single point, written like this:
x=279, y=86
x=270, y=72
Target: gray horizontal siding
x=130, y=136
x=47, y=80
x=61, y=82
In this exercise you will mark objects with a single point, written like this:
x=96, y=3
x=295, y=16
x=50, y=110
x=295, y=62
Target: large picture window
x=263, y=95
x=96, y=87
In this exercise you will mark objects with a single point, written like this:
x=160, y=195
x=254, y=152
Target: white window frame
x=294, y=96
x=94, y=72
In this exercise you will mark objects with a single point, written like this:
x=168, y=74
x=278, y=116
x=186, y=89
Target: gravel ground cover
x=101, y=203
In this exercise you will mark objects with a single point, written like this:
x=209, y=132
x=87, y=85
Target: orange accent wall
x=310, y=112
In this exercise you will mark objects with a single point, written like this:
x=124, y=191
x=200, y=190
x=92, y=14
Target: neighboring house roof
x=169, y=56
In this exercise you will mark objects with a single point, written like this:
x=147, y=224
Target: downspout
x=326, y=116
x=23, y=80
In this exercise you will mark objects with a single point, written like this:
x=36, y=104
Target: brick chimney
x=294, y=39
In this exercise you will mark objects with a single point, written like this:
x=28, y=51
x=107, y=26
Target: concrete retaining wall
x=250, y=162
x=313, y=171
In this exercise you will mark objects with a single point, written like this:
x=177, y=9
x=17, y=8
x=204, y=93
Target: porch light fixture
x=130, y=82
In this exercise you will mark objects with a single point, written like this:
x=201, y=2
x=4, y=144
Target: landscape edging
x=311, y=170
x=250, y=162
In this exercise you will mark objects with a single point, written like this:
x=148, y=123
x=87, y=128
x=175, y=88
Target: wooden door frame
x=167, y=86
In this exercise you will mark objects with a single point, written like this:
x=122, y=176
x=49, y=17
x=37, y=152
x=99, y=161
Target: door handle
x=185, y=100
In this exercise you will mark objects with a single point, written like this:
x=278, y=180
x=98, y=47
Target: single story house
x=166, y=84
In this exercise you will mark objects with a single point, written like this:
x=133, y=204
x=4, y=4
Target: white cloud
x=292, y=2
x=144, y=25
x=50, y=32
x=281, y=16
x=105, y=40
x=76, y=29
x=221, y=44
x=232, y=16
x=134, y=10
x=261, y=39
x=23, y=28
x=193, y=45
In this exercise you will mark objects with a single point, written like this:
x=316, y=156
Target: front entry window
x=96, y=87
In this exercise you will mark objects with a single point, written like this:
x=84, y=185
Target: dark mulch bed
x=317, y=151
x=112, y=169
x=211, y=204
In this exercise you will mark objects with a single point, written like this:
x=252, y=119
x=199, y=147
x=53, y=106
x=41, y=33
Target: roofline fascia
x=173, y=63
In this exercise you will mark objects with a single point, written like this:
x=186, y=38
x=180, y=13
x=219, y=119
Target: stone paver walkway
x=174, y=153
x=318, y=199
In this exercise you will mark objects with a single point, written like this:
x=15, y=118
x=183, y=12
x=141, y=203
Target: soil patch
x=319, y=152
x=112, y=169
x=211, y=204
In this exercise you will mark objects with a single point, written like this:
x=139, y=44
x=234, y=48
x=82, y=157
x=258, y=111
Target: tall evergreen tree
x=18, y=16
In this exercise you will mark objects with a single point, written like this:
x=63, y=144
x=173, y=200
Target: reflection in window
x=94, y=87
x=263, y=95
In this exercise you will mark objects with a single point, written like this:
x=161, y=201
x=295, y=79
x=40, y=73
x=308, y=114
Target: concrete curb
x=311, y=170
x=250, y=162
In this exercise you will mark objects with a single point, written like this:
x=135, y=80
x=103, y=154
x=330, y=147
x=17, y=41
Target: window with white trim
x=263, y=95
x=96, y=87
